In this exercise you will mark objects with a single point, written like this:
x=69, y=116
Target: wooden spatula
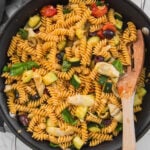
x=126, y=87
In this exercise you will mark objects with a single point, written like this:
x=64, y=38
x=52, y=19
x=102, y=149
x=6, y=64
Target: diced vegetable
x=119, y=127
x=61, y=45
x=99, y=11
x=74, y=61
x=58, y=132
x=34, y=21
x=141, y=91
x=66, y=66
x=50, y=123
x=80, y=33
x=100, y=3
x=27, y=76
x=109, y=26
x=8, y=88
x=119, y=24
x=81, y=100
x=118, y=16
x=49, y=78
x=107, y=69
x=31, y=33
x=118, y=65
x=38, y=83
x=66, y=11
x=137, y=100
x=116, y=40
x=81, y=112
x=77, y=142
x=6, y=69
x=102, y=79
x=75, y=81
x=93, y=127
x=53, y=145
x=115, y=112
x=48, y=11
x=108, y=87
x=19, y=68
x=66, y=115
x=23, y=33
x=94, y=40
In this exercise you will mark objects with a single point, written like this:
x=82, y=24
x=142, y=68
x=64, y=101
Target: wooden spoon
x=126, y=88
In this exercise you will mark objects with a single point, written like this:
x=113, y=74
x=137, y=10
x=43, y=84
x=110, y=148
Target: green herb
x=53, y=145
x=108, y=87
x=19, y=68
x=66, y=11
x=99, y=3
x=119, y=127
x=68, y=117
x=23, y=33
x=118, y=65
x=66, y=66
x=6, y=69
x=102, y=79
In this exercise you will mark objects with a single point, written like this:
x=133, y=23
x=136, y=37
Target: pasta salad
x=63, y=68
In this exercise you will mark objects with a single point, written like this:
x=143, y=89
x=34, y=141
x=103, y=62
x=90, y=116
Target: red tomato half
x=109, y=26
x=48, y=11
x=99, y=11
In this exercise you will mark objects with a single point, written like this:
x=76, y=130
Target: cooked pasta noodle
x=53, y=75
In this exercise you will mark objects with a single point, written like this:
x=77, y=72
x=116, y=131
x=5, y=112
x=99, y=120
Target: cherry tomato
x=109, y=26
x=100, y=34
x=48, y=11
x=99, y=11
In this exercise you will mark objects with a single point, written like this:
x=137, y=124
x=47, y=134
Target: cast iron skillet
x=129, y=11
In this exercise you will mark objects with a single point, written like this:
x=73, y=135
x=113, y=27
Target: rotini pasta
x=61, y=76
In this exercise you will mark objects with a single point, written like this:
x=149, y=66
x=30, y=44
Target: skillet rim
x=21, y=137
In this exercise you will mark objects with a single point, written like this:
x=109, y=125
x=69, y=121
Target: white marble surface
x=9, y=142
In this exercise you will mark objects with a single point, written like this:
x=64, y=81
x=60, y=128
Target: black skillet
x=130, y=12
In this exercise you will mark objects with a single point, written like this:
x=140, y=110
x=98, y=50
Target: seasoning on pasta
x=63, y=68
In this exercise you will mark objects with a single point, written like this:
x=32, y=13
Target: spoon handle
x=129, y=141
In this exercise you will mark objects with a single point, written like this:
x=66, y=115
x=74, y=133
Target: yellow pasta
x=54, y=76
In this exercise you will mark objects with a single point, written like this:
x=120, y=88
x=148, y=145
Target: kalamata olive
x=98, y=59
x=106, y=122
x=16, y=94
x=92, y=34
x=23, y=119
x=35, y=97
x=108, y=34
x=60, y=57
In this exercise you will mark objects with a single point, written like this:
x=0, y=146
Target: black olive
x=108, y=34
x=92, y=34
x=16, y=94
x=60, y=57
x=106, y=122
x=23, y=119
x=98, y=59
x=35, y=97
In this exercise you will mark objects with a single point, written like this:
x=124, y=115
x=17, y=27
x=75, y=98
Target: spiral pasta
x=58, y=75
